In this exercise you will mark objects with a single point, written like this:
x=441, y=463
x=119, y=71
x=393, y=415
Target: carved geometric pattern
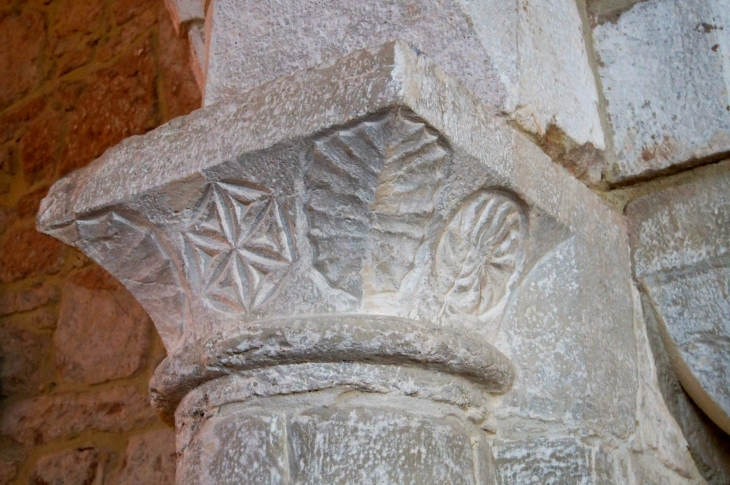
x=239, y=247
x=371, y=193
x=480, y=255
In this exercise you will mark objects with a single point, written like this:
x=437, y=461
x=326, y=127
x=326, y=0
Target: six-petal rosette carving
x=238, y=247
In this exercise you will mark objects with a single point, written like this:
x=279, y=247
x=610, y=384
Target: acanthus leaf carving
x=372, y=191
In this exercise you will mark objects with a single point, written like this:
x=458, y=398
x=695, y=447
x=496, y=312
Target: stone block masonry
x=524, y=59
x=665, y=70
x=75, y=79
x=681, y=251
x=360, y=259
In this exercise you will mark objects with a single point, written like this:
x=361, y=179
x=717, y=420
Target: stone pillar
x=333, y=259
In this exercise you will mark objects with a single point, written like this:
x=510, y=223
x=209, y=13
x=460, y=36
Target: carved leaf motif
x=141, y=263
x=372, y=191
x=238, y=247
x=480, y=254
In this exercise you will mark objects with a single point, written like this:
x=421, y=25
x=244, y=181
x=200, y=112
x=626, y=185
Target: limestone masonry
x=383, y=252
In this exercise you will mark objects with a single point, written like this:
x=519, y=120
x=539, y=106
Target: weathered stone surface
x=129, y=33
x=40, y=41
x=331, y=339
x=620, y=465
x=680, y=226
x=103, y=333
x=28, y=299
x=37, y=321
x=150, y=458
x=657, y=433
x=512, y=55
x=26, y=252
x=375, y=186
x=76, y=18
x=707, y=443
x=665, y=74
x=693, y=305
x=80, y=466
x=125, y=10
x=657, y=451
x=463, y=397
x=40, y=145
x=198, y=53
x=14, y=121
x=115, y=410
x=547, y=317
x=22, y=36
x=342, y=436
x=681, y=245
x=604, y=466
x=371, y=446
x=118, y=102
x=184, y=11
x=238, y=448
x=543, y=461
x=181, y=90
x=75, y=34
x=195, y=202
x=642, y=468
x=21, y=354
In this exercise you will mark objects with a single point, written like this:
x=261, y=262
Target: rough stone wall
x=76, y=350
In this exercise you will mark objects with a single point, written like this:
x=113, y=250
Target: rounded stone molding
x=360, y=231
x=365, y=339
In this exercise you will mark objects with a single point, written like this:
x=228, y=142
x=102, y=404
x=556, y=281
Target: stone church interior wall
x=589, y=323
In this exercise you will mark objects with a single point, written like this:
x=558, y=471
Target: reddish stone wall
x=76, y=351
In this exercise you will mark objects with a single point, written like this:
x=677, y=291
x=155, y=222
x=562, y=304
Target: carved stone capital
x=289, y=201
x=358, y=227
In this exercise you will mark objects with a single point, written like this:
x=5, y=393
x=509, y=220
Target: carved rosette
x=370, y=204
x=378, y=215
x=370, y=199
x=238, y=247
x=308, y=248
